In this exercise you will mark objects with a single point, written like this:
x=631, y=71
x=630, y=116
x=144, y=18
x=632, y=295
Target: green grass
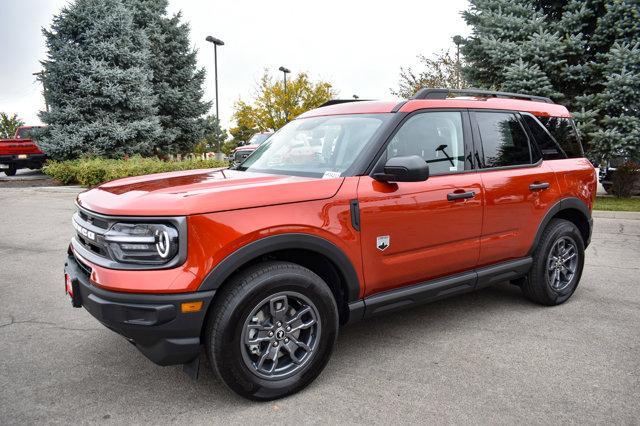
x=90, y=172
x=617, y=204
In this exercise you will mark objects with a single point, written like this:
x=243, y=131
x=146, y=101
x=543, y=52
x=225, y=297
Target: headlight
x=143, y=243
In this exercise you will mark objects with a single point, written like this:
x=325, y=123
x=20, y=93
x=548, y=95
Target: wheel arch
x=315, y=253
x=572, y=209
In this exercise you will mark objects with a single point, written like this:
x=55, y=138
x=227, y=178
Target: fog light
x=187, y=307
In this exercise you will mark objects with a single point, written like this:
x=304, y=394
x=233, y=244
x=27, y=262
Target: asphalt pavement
x=487, y=357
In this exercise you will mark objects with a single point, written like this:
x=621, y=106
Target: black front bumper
x=153, y=322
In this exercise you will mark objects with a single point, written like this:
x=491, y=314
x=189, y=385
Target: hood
x=202, y=191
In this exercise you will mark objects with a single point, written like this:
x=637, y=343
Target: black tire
x=538, y=285
x=236, y=305
x=11, y=171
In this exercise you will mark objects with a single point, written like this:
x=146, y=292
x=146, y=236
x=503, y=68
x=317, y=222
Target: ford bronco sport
x=349, y=211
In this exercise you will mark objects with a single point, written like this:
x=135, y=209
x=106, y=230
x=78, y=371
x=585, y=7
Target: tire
x=11, y=171
x=542, y=285
x=237, y=312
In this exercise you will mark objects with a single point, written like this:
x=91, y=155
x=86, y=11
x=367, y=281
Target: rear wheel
x=557, y=264
x=272, y=330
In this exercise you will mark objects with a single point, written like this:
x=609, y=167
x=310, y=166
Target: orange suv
x=349, y=211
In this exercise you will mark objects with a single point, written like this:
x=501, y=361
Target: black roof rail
x=340, y=101
x=442, y=93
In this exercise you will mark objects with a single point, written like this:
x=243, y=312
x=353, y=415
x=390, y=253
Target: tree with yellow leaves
x=272, y=107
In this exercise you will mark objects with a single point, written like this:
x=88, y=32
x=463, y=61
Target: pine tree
x=177, y=82
x=619, y=104
x=563, y=49
x=98, y=84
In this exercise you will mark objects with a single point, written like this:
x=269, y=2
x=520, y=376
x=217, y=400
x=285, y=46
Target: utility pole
x=44, y=88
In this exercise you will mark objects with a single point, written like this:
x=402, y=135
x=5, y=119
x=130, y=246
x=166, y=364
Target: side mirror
x=411, y=168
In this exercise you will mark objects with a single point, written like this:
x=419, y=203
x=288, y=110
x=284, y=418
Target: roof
x=540, y=109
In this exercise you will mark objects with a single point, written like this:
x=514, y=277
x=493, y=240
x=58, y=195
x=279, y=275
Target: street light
x=285, y=71
x=216, y=42
x=457, y=40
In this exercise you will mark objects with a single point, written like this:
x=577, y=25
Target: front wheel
x=11, y=171
x=557, y=264
x=271, y=330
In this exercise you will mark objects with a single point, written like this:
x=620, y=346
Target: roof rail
x=442, y=93
x=340, y=101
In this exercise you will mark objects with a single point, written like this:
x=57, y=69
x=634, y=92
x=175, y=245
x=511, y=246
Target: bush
x=626, y=179
x=93, y=171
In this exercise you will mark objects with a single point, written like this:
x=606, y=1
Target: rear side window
x=504, y=140
x=564, y=132
x=548, y=146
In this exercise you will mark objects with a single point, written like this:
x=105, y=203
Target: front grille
x=90, y=231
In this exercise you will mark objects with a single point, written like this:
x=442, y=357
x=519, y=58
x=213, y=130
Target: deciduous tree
x=272, y=107
x=9, y=124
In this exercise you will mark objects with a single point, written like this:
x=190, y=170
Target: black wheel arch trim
x=563, y=204
x=290, y=241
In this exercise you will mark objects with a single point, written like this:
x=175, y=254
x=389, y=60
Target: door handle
x=453, y=196
x=538, y=186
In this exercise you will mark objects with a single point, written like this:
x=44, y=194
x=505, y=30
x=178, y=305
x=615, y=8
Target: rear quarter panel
x=576, y=178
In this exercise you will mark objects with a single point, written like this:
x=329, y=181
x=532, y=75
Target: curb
x=606, y=214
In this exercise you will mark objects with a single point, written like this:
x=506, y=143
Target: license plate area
x=22, y=156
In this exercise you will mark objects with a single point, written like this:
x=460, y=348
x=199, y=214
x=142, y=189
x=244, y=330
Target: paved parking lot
x=486, y=357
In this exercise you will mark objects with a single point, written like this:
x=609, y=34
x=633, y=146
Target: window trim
x=477, y=141
x=377, y=165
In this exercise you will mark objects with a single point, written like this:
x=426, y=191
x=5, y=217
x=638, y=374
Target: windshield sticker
x=330, y=175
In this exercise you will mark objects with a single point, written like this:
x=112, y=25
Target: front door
x=416, y=231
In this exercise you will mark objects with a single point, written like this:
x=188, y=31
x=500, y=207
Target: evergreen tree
x=177, y=82
x=214, y=134
x=572, y=51
x=98, y=84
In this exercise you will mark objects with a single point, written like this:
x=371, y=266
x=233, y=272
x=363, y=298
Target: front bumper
x=154, y=323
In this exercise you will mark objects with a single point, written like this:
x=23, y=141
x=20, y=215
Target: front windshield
x=316, y=146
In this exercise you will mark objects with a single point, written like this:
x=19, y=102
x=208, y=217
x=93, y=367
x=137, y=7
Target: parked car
x=352, y=210
x=608, y=171
x=21, y=151
x=242, y=152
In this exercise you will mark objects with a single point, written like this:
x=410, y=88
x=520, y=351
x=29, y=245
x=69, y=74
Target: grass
x=617, y=204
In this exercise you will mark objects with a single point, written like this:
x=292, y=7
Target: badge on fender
x=383, y=242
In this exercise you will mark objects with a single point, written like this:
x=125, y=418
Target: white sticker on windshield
x=331, y=175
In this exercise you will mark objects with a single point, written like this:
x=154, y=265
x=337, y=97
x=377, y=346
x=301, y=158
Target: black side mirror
x=411, y=168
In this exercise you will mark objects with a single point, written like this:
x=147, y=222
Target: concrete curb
x=605, y=214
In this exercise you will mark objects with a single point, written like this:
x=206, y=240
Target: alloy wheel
x=280, y=335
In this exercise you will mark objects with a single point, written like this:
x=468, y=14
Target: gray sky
x=357, y=45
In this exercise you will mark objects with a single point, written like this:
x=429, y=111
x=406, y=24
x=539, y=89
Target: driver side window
x=436, y=137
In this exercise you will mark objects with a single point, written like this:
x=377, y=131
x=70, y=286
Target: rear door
x=416, y=231
x=519, y=187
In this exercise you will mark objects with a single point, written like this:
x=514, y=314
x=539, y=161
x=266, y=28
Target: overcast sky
x=356, y=45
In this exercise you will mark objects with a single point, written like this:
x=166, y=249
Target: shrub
x=90, y=172
x=626, y=179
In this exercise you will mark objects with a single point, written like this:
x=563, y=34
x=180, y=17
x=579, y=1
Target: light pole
x=39, y=76
x=285, y=71
x=216, y=42
x=457, y=40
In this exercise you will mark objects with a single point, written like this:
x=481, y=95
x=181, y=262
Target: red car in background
x=21, y=151
x=242, y=152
